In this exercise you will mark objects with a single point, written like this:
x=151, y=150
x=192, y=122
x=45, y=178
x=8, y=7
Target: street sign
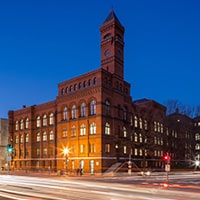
x=167, y=168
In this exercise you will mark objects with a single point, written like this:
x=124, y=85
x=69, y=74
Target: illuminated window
x=125, y=131
x=16, y=125
x=38, y=122
x=22, y=124
x=27, y=123
x=65, y=113
x=51, y=135
x=135, y=121
x=140, y=123
x=27, y=137
x=125, y=149
x=38, y=137
x=82, y=130
x=17, y=139
x=93, y=128
x=44, y=136
x=82, y=148
x=73, y=112
x=135, y=137
x=107, y=128
x=21, y=138
x=64, y=132
x=45, y=151
x=107, y=148
x=44, y=122
x=92, y=148
x=51, y=119
x=73, y=130
x=93, y=107
x=145, y=124
x=83, y=110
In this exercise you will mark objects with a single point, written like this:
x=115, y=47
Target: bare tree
x=189, y=110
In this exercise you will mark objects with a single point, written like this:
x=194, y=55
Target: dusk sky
x=45, y=42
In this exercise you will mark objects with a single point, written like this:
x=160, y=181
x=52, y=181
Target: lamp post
x=66, y=155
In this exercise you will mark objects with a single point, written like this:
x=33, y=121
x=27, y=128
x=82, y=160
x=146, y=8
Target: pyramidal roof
x=112, y=16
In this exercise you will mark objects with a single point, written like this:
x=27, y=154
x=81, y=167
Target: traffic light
x=166, y=158
x=9, y=148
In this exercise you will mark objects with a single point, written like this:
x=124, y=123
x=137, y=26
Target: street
x=181, y=186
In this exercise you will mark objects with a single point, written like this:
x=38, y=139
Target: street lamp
x=66, y=155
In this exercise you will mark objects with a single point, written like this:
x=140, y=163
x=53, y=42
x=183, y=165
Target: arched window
x=26, y=123
x=22, y=124
x=124, y=113
x=83, y=110
x=44, y=137
x=38, y=122
x=82, y=130
x=51, y=135
x=95, y=81
x=89, y=82
x=21, y=138
x=16, y=125
x=135, y=121
x=93, y=107
x=65, y=113
x=51, y=119
x=38, y=137
x=66, y=90
x=135, y=137
x=93, y=128
x=44, y=122
x=73, y=131
x=27, y=138
x=17, y=139
x=74, y=112
x=107, y=128
x=107, y=107
x=140, y=123
x=80, y=85
x=125, y=131
x=62, y=91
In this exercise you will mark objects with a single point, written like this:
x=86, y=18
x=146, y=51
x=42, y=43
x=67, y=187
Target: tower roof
x=112, y=16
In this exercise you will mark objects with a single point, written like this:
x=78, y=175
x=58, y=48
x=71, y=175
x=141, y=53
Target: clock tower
x=112, y=45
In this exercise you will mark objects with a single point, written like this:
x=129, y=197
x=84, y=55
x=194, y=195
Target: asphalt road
x=181, y=186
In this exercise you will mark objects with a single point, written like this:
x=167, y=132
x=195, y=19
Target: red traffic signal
x=166, y=158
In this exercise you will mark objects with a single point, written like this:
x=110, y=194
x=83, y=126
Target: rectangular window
x=107, y=148
x=82, y=148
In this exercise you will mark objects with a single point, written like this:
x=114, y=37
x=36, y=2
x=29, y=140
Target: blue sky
x=45, y=42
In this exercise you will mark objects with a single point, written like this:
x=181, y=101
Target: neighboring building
x=149, y=135
x=94, y=117
x=180, y=142
x=196, y=121
x=3, y=142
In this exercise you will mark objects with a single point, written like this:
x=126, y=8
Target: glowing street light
x=66, y=155
x=197, y=163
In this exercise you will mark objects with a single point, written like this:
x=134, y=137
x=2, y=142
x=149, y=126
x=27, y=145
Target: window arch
x=22, y=124
x=65, y=113
x=124, y=113
x=27, y=123
x=27, y=137
x=107, y=128
x=44, y=120
x=17, y=139
x=82, y=129
x=95, y=81
x=16, y=125
x=74, y=112
x=21, y=138
x=38, y=137
x=93, y=128
x=38, y=122
x=51, y=135
x=93, y=107
x=83, y=110
x=51, y=119
x=44, y=136
x=107, y=107
x=73, y=130
x=124, y=131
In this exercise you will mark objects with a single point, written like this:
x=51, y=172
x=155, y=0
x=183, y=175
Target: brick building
x=93, y=123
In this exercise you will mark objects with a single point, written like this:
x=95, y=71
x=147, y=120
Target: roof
x=112, y=16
